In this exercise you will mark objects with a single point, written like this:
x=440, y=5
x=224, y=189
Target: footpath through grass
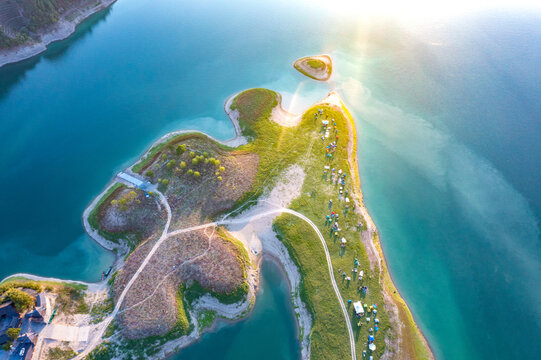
x=280, y=147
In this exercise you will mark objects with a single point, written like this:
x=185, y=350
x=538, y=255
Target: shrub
x=181, y=149
x=192, y=154
x=190, y=172
x=13, y=333
x=197, y=174
x=171, y=163
x=21, y=300
x=7, y=346
x=25, y=284
x=222, y=169
x=217, y=162
x=114, y=202
x=212, y=160
x=57, y=353
x=165, y=182
x=164, y=157
x=183, y=165
x=150, y=173
x=206, y=154
x=195, y=161
x=219, y=178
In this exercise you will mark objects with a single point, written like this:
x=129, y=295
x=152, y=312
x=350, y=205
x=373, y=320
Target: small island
x=318, y=67
x=190, y=222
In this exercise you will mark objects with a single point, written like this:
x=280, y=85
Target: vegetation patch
x=69, y=296
x=58, y=353
x=316, y=67
x=101, y=310
x=201, y=257
x=206, y=319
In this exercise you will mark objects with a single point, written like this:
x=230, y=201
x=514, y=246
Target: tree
x=165, y=182
x=183, y=165
x=206, y=154
x=114, y=202
x=195, y=161
x=150, y=173
x=197, y=174
x=219, y=178
x=192, y=154
x=190, y=172
x=21, y=300
x=181, y=149
x=212, y=160
x=206, y=161
x=164, y=157
x=171, y=163
x=13, y=333
x=217, y=163
x=222, y=169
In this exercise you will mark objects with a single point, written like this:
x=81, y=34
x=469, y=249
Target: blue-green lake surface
x=448, y=117
x=246, y=339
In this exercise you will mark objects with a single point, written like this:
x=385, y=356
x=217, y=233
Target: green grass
x=194, y=291
x=278, y=148
x=57, y=353
x=253, y=105
x=157, y=149
x=206, y=319
x=315, y=64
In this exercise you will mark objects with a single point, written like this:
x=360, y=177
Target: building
x=40, y=310
x=9, y=318
x=25, y=347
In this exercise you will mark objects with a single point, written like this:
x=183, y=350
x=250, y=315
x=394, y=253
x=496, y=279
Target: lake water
x=448, y=116
x=246, y=339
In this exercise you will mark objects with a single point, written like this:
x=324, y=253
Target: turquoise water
x=230, y=341
x=448, y=121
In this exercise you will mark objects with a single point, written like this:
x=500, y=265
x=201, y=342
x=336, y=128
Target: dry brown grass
x=150, y=307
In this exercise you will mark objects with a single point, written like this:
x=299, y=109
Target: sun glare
x=424, y=8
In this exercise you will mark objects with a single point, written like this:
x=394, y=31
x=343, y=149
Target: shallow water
x=448, y=123
x=267, y=333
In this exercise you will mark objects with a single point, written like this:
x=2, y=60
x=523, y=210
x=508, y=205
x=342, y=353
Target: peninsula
x=190, y=222
x=27, y=27
x=317, y=67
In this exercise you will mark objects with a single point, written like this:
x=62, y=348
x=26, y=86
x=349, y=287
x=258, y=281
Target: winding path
x=165, y=235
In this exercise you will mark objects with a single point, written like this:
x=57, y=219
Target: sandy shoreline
x=60, y=31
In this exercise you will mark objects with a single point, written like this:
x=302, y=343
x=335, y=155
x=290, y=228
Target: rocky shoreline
x=60, y=31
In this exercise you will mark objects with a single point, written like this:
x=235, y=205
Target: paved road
x=103, y=325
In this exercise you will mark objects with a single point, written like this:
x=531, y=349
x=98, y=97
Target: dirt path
x=165, y=235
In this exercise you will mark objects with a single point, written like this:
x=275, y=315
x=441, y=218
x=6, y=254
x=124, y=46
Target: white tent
x=358, y=306
x=344, y=240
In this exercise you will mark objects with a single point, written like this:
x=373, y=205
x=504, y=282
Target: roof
x=130, y=179
x=27, y=338
x=40, y=300
x=8, y=309
x=37, y=313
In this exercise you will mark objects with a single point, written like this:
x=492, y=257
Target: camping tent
x=358, y=306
